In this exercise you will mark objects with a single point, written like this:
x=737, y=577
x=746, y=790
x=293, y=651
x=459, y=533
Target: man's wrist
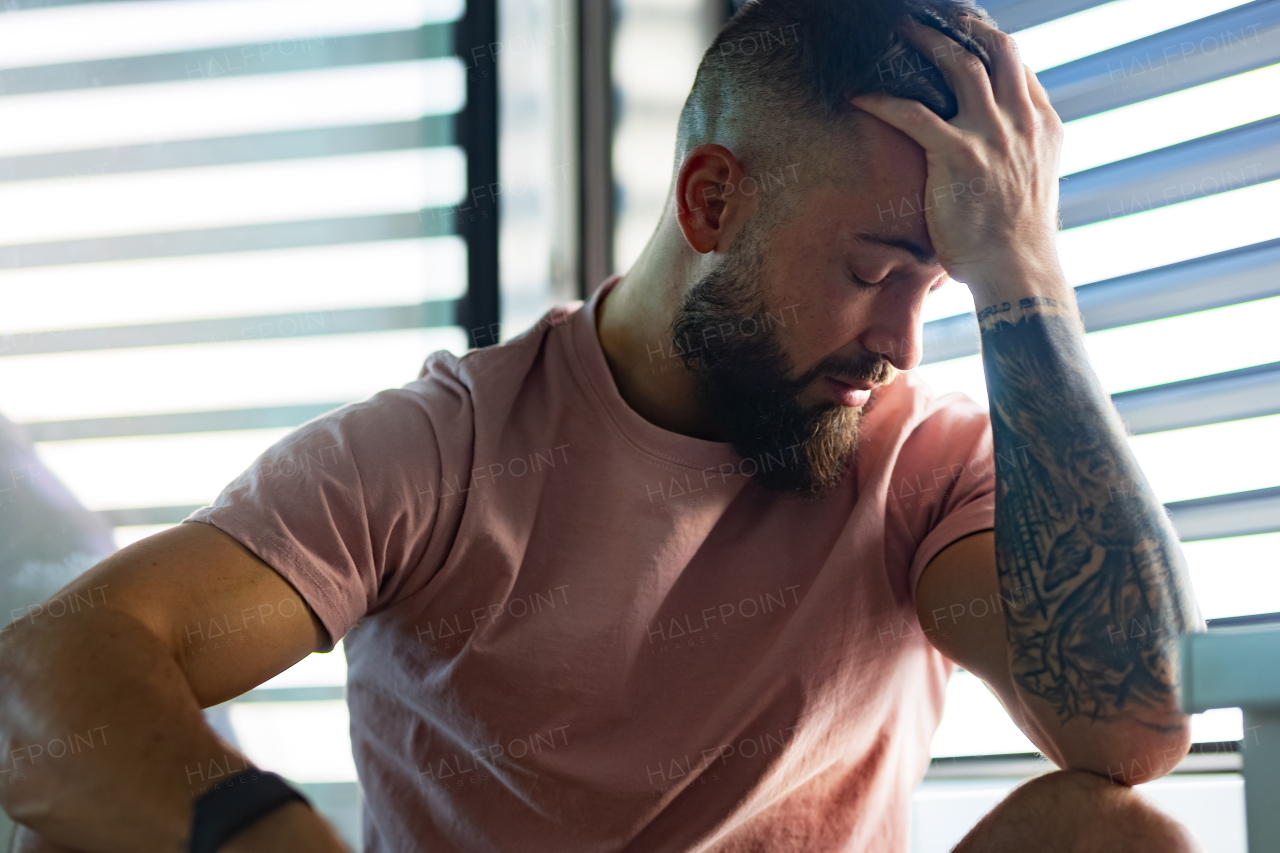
x=236, y=803
x=1015, y=310
x=292, y=828
x=1017, y=288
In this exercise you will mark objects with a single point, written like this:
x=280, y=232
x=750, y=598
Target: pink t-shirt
x=569, y=629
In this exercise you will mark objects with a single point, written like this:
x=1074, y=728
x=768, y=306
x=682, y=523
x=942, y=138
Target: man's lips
x=851, y=394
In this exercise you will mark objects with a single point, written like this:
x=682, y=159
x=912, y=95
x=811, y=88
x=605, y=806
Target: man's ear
x=708, y=204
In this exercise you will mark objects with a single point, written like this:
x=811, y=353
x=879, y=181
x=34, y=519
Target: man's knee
x=1070, y=811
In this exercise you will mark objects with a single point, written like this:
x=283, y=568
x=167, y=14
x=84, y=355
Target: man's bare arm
x=122, y=675
x=1077, y=526
x=1092, y=649
x=960, y=604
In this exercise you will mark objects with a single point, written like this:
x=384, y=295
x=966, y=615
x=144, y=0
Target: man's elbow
x=1129, y=752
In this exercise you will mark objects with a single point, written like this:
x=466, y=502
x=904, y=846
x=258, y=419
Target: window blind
x=218, y=220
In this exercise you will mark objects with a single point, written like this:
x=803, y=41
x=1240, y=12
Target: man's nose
x=897, y=332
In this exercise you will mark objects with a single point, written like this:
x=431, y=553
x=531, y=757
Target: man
x=678, y=569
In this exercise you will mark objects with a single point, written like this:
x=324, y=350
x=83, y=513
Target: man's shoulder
x=950, y=426
x=506, y=361
x=909, y=402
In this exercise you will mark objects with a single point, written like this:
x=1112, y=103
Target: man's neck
x=633, y=324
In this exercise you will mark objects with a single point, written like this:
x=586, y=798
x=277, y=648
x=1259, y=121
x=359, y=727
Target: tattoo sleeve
x=1104, y=587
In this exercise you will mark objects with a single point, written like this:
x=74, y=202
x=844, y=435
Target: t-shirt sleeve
x=943, y=485
x=343, y=507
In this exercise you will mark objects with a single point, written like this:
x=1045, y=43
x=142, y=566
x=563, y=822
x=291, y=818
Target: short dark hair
x=776, y=81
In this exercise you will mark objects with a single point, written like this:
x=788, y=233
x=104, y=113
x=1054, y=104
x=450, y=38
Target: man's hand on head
x=1082, y=560
x=992, y=170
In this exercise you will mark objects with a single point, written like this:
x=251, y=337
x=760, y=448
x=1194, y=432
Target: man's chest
x=653, y=643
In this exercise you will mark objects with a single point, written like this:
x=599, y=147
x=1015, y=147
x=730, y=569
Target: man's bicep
x=231, y=621
x=961, y=607
x=958, y=602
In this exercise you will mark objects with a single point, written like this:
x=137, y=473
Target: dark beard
x=725, y=337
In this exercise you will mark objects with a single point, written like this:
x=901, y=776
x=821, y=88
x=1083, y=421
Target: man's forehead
x=878, y=196
x=882, y=213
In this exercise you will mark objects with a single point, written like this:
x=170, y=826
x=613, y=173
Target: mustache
x=857, y=368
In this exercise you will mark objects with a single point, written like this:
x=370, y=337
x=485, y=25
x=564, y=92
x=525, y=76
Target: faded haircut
x=774, y=86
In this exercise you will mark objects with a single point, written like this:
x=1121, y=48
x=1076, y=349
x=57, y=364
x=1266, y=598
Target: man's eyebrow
x=920, y=253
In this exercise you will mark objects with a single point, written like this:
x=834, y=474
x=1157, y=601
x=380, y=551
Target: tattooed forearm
x=1078, y=526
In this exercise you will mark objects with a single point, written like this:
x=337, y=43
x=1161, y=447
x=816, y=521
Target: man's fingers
x=963, y=71
x=1039, y=96
x=911, y=117
x=1007, y=79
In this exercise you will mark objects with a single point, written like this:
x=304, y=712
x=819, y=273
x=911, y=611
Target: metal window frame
x=478, y=217
x=1235, y=667
x=595, y=144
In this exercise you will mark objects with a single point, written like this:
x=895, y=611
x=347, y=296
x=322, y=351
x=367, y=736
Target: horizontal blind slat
x=1220, y=162
x=430, y=222
x=345, y=321
x=1213, y=281
x=1221, y=45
